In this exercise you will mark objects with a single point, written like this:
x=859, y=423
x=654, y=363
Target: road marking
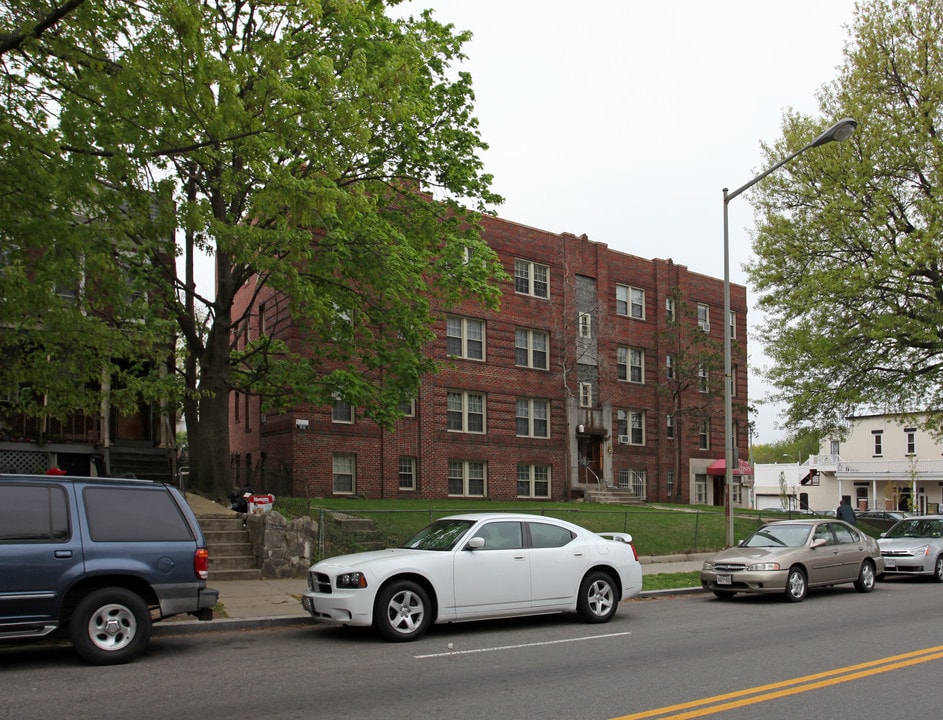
x=762, y=693
x=517, y=647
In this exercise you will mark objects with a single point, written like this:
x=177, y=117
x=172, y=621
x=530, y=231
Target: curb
x=194, y=627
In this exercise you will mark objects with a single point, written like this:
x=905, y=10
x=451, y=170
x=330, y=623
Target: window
x=408, y=408
x=733, y=381
x=407, y=473
x=502, y=535
x=670, y=309
x=630, y=302
x=586, y=394
x=134, y=515
x=533, y=480
x=631, y=426
x=670, y=482
x=700, y=489
x=638, y=480
x=342, y=412
x=345, y=480
x=466, y=411
x=543, y=535
x=33, y=513
x=733, y=324
x=531, y=279
x=704, y=317
x=670, y=426
x=467, y=478
x=585, y=325
x=878, y=442
x=630, y=364
x=263, y=328
x=703, y=379
x=465, y=338
x=530, y=349
x=533, y=418
x=670, y=366
x=704, y=435
x=910, y=436
x=834, y=447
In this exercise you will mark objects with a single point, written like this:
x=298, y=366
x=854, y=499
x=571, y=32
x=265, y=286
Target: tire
x=796, y=585
x=938, y=569
x=724, y=594
x=597, y=601
x=866, y=578
x=402, y=611
x=110, y=626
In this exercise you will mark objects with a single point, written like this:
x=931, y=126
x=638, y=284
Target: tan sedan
x=791, y=556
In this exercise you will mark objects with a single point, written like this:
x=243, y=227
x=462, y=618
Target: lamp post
x=838, y=132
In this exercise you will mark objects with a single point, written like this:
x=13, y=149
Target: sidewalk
x=266, y=603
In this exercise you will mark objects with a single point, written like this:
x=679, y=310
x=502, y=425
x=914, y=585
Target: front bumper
x=767, y=581
x=349, y=608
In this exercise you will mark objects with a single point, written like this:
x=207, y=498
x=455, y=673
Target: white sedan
x=473, y=567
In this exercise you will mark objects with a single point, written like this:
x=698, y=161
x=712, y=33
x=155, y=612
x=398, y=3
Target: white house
x=886, y=462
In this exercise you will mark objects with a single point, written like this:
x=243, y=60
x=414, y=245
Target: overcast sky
x=624, y=119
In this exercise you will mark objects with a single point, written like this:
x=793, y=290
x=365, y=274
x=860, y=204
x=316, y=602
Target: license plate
x=724, y=580
x=890, y=563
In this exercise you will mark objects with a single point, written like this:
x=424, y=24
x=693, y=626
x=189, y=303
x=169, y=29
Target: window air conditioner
x=623, y=439
x=706, y=327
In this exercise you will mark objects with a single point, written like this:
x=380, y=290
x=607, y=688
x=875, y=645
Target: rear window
x=33, y=513
x=134, y=515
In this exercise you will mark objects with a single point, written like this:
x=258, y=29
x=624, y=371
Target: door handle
x=63, y=554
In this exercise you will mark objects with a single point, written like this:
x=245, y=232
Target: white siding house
x=886, y=462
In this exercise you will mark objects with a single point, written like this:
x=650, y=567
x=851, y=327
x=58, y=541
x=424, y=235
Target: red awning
x=719, y=467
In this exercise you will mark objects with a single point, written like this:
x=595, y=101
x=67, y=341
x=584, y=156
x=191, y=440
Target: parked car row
x=791, y=556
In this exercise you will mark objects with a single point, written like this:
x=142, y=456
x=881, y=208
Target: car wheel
x=796, y=585
x=597, y=599
x=938, y=569
x=724, y=594
x=865, y=581
x=110, y=626
x=402, y=611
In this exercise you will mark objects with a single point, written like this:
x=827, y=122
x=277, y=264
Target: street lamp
x=838, y=132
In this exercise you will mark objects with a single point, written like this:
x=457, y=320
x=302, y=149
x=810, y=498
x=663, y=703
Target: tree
x=300, y=143
x=694, y=377
x=848, y=244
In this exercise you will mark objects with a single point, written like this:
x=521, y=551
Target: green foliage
x=848, y=244
x=299, y=143
x=796, y=448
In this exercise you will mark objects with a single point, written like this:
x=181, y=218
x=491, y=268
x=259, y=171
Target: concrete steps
x=231, y=556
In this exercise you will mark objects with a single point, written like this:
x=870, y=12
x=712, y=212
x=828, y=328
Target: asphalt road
x=839, y=653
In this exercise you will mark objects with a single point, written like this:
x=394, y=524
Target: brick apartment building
x=559, y=392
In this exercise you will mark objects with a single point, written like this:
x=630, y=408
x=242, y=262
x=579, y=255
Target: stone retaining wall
x=285, y=548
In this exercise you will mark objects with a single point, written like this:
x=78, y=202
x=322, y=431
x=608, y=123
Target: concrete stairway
x=611, y=496
x=231, y=556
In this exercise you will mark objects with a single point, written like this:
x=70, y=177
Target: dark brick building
x=599, y=369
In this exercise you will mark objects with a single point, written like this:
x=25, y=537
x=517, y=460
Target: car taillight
x=634, y=551
x=201, y=563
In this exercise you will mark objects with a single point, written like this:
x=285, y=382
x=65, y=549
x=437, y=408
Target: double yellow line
x=784, y=688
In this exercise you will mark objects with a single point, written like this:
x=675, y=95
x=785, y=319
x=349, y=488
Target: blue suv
x=98, y=561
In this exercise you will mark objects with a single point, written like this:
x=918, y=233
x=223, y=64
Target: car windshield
x=916, y=529
x=779, y=536
x=439, y=535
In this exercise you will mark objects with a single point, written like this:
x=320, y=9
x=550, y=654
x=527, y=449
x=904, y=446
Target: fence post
x=321, y=534
x=697, y=523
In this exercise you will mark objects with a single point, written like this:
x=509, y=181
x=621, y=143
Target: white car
x=473, y=567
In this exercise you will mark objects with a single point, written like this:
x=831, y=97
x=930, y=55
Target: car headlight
x=708, y=565
x=351, y=581
x=922, y=550
x=764, y=567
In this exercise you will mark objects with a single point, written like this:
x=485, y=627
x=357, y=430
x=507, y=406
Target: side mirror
x=818, y=542
x=476, y=543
